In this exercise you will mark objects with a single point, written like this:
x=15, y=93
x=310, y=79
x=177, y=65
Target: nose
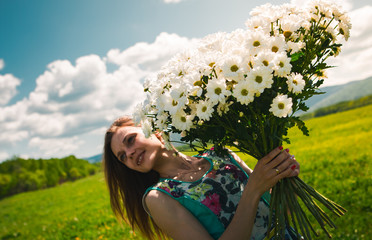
x=130, y=152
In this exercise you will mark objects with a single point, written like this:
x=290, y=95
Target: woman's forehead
x=126, y=130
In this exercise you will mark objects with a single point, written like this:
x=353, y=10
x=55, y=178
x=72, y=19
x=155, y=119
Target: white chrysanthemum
x=295, y=82
x=196, y=91
x=281, y=106
x=216, y=90
x=282, y=65
x=331, y=30
x=294, y=47
x=345, y=19
x=243, y=93
x=256, y=41
x=161, y=121
x=264, y=59
x=209, y=61
x=258, y=22
x=232, y=68
x=223, y=108
x=290, y=24
x=204, y=110
x=212, y=42
x=167, y=103
x=344, y=30
x=259, y=79
x=146, y=126
x=277, y=44
x=138, y=114
x=182, y=121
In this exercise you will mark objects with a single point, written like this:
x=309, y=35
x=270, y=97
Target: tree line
x=339, y=107
x=20, y=175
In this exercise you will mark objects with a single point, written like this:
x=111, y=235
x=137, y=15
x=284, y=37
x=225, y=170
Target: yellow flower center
x=218, y=91
x=234, y=68
x=244, y=92
x=258, y=79
x=287, y=34
x=183, y=119
x=198, y=83
x=295, y=82
x=265, y=62
x=256, y=43
x=281, y=106
x=281, y=64
x=211, y=64
x=174, y=103
x=204, y=109
x=274, y=49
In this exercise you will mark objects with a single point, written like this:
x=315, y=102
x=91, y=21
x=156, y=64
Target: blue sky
x=68, y=68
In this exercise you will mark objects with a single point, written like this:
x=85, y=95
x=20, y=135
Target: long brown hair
x=127, y=187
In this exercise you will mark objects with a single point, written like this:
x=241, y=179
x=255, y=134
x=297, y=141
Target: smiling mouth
x=140, y=157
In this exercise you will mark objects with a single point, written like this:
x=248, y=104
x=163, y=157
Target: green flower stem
x=295, y=212
x=304, y=222
x=292, y=210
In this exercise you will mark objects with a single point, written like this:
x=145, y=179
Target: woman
x=164, y=194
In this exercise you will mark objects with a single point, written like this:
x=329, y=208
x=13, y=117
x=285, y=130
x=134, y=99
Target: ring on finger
x=277, y=171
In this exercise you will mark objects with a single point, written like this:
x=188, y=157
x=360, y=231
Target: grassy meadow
x=336, y=160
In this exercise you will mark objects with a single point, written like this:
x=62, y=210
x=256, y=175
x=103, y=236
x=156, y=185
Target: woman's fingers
x=271, y=155
x=282, y=156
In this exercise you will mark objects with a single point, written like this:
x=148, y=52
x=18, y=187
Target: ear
x=158, y=136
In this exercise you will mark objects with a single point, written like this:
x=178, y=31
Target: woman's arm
x=180, y=224
x=174, y=219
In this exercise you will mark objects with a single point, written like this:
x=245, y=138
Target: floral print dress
x=214, y=198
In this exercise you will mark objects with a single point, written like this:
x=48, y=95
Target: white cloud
x=346, y=5
x=8, y=87
x=355, y=59
x=2, y=64
x=4, y=156
x=52, y=147
x=72, y=102
x=173, y=1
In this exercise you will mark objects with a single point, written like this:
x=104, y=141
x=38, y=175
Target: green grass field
x=335, y=159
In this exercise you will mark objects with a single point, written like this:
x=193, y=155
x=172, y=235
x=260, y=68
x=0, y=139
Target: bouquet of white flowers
x=241, y=89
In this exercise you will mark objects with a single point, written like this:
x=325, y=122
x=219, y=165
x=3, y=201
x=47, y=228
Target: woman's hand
x=276, y=165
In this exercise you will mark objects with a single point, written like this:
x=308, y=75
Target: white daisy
x=146, y=126
x=170, y=104
x=277, y=44
x=138, y=114
x=161, y=121
x=264, y=59
x=256, y=41
x=257, y=22
x=282, y=65
x=243, y=93
x=216, y=90
x=204, y=110
x=294, y=47
x=344, y=30
x=259, y=79
x=290, y=24
x=232, y=68
x=295, y=82
x=281, y=106
x=182, y=121
x=223, y=108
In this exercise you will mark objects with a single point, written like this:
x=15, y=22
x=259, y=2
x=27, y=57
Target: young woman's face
x=132, y=148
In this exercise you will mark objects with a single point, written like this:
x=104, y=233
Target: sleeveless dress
x=214, y=197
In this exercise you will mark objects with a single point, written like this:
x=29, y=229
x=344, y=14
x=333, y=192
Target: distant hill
x=340, y=93
x=94, y=159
